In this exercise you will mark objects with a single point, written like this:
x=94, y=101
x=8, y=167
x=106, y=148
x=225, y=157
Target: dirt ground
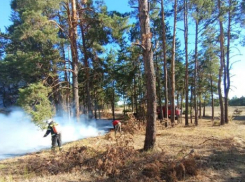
x=204, y=153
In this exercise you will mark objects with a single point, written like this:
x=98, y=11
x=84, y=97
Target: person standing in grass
x=53, y=128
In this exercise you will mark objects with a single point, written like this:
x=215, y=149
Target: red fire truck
x=177, y=112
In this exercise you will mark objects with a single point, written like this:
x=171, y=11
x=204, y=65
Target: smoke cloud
x=18, y=135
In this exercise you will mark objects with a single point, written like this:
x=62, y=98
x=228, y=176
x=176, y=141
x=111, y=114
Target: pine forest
x=75, y=57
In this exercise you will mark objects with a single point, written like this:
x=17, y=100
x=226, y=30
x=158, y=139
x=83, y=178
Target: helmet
x=49, y=121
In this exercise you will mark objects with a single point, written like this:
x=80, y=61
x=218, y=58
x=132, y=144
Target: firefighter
x=55, y=134
x=117, y=126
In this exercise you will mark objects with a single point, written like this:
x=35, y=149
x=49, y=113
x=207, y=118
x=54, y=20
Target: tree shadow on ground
x=219, y=159
x=228, y=165
x=209, y=117
x=239, y=118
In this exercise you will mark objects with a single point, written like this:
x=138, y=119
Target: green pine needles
x=34, y=100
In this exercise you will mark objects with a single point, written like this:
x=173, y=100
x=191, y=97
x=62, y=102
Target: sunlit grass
x=208, y=141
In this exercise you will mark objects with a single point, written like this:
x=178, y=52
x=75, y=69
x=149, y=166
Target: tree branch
x=139, y=44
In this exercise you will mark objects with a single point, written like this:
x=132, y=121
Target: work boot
x=53, y=150
x=60, y=149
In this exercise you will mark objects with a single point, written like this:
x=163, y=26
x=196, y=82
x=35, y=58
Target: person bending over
x=117, y=126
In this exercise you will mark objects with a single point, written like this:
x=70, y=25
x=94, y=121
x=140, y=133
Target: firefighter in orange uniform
x=55, y=134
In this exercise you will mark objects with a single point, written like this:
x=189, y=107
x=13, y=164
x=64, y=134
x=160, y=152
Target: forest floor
x=204, y=153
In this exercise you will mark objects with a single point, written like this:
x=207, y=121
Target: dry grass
x=194, y=153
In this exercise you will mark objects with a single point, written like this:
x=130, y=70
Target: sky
x=237, y=71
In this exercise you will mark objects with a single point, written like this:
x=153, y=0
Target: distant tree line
x=237, y=101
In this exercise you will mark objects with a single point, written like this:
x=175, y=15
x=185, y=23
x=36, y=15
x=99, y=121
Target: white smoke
x=18, y=135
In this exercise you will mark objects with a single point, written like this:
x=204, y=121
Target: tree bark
x=195, y=76
x=73, y=40
x=67, y=90
x=173, y=67
x=212, y=98
x=191, y=105
x=186, y=62
x=86, y=65
x=200, y=107
x=159, y=91
x=150, y=137
x=113, y=102
x=222, y=122
x=204, y=110
x=227, y=66
x=165, y=60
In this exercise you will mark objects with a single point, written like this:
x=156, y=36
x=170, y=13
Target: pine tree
x=146, y=36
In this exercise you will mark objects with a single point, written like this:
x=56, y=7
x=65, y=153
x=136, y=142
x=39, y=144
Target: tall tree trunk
x=137, y=85
x=204, y=110
x=222, y=122
x=165, y=60
x=86, y=64
x=99, y=109
x=196, y=67
x=73, y=40
x=67, y=89
x=95, y=105
x=227, y=66
x=64, y=97
x=200, y=107
x=186, y=62
x=159, y=91
x=177, y=98
x=212, y=98
x=191, y=105
x=132, y=102
x=181, y=104
x=173, y=67
x=135, y=95
x=68, y=93
x=57, y=94
x=150, y=137
x=113, y=102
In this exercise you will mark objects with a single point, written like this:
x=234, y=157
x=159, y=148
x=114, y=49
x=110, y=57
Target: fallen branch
x=209, y=139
